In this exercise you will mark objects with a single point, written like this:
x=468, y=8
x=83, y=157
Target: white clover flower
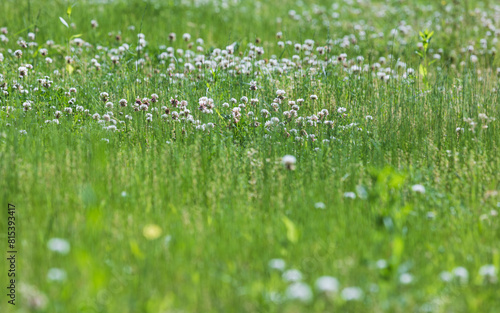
x=59, y=245
x=289, y=161
x=350, y=195
x=300, y=292
x=56, y=274
x=352, y=293
x=381, y=264
x=23, y=71
x=489, y=272
x=109, y=105
x=292, y=275
x=418, y=188
x=327, y=284
x=277, y=264
x=320, y=205
x=461, y=274
x=405, y=278
x=446, y=276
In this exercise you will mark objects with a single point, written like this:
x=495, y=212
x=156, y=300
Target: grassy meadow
x=250, y=156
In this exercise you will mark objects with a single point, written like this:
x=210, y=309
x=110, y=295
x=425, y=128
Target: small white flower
x=461, y=274
x=327, y=284
x=277, y=264
x=56, y=274
x=289, y=161
x=418, y=188
x=405, y=278
x=350, y=195
x=352, y=293
x=299, y=291
x=489, y=272
x=292, y=275
x=381, y=264
x=320, y=205
x=59, y=245
x=446, y=276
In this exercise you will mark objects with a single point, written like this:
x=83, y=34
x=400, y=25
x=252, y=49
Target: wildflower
x=292, y=275
x=327, y=284
x=104, y=96
x=151, y=231
x=350, y=195
x=186, y=37
x=446, y=276
x=123, y=103
x=405, y=278
x=34, y=298
x=106, y=117
x=56, y=274
x=299, y=291
x=96, y=116
x=289, y=162
x=277, y=264
x=352, y=293
x=171, y=36
x=319, y=205
x=418, y=188
x=381, y=264
x=59, y=245
x=109, y=105
x=23, y=71
x=18, y=53
x=461, y=274
x=489, y=273
x=94, y=24
x=313, y=97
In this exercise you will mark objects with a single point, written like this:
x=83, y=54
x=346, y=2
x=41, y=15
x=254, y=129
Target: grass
x=397, y=197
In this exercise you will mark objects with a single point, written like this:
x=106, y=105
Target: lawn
x=245, y=156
